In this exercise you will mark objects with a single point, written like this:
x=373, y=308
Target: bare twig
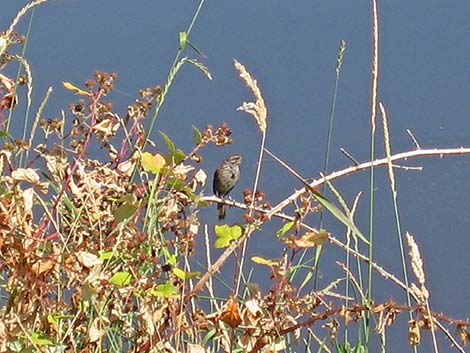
x=413, y=138
x=366, y=165
x=349, y=155
x=276, y=210
x=221, y=260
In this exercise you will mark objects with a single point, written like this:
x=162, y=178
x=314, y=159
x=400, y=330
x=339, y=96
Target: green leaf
x=306, y=280
x=185, y=275
x=183, y=38
x=71, y=87
x=165, y=290
x=222, y=242
x=54, y=318
x=178, y=156
x=169, y=257
x=88, y=296
x=226, y=234
x=106, y=255
x=209, y=336
x=262, y=261
x=122, y=278
x=189, y=193
x=124, y=212
x=285, y=228
x=337, y=213
x=340, y=216
x=197, y=135
x=341, y=348
x=360, y=349
x=40, y=339
x=68, y=203
x=196, y=49
x=169, y=144
x=322, y=200
x=175, y=184
x=4, y=133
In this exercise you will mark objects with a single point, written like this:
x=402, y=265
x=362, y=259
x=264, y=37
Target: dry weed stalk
x=416, y=261
x=256, y=109
x=20, y=14
x=427, y=320
x=259, y=112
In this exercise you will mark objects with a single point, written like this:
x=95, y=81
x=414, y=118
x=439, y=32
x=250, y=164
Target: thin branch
x=275, y=211
x=441, y=152
x=413, y=138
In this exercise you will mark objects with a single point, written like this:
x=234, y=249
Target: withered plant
x=98, y=251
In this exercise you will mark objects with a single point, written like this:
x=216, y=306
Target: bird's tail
x=221, y=211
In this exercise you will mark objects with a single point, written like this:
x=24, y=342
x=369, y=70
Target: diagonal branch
x=441, y=152
x=275, y=211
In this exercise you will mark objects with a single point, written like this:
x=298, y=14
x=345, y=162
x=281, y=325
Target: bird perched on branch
x=225, y=178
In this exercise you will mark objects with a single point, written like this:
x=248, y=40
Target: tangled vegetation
x=100, y=254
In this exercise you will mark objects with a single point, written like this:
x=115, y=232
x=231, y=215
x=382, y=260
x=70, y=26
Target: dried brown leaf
x=200, y=177
x=29, y=175
x=42, y=266
x=88, y=260
x=95, y=333
x=107, y=126
x=311, y=239
x=230, y=313
x=252, y=312
x=6, y=82
x=181, y=171
x=126, y=167
x=28, y=198
x=414, y=333
x=196, y=348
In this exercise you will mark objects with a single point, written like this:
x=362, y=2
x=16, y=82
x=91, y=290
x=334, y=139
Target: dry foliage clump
x=92, y=250
x=100, y=233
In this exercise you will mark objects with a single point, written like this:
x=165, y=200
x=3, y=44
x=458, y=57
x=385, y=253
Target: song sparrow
x=225, y=178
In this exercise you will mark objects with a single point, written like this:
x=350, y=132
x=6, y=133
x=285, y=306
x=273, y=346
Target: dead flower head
x=416, y=261
x=257, y=109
